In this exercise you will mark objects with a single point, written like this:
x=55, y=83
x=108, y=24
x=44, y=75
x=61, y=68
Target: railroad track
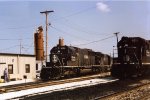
x=19, y=87
x=125, y=92
x=109, y=91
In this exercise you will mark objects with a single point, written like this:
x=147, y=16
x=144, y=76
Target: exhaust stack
x=61, y=42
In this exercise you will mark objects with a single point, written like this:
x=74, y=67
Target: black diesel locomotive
x=67, y=60
x=133, y=58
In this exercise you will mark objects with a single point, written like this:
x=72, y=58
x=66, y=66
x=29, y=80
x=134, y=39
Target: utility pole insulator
x=47, y=24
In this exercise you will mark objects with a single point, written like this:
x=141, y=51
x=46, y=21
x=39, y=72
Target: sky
x=84, y=24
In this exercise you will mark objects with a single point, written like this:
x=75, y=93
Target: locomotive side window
x=73, y=58
x=127, y=58
x=148, y=53
x=85, y=56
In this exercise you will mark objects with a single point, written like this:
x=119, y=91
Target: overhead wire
x=10, y=39
x=26, y=50
x=59, y=30
x=23, y=27
x=73, y=14
x=82, y=39
x=76, y=13
x=14, y=39
x=81, y=29
x=8, y=48
x=78, y=27
x=95, y=41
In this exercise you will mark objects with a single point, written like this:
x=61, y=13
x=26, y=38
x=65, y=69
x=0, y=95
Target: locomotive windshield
x=128, y=54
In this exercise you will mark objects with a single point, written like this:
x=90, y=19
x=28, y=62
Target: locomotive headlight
x=54, y=59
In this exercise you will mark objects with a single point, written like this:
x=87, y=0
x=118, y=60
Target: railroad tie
x=2, y=90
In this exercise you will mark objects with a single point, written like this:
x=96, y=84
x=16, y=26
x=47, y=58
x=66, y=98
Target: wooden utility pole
x=117, y=40
x=117, y=36
x=46, y=44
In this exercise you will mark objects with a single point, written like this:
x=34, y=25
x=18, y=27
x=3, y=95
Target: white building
x=18, y=65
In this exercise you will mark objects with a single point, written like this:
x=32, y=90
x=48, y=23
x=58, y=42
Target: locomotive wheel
x=44, y=77
x=57, y=77
x=97, y=69
x=77, y=71
x=93, y=69
x=125, y=75
x=55, y=73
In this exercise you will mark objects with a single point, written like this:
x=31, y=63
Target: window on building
x=36, y=66
x=27, y=68
x=10, y=69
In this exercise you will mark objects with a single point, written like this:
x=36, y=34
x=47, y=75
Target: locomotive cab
x=60, y=56
x=128, y=55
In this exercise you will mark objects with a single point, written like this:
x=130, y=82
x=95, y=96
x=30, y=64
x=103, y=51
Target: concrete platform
x=54, y=88
x=17, y=82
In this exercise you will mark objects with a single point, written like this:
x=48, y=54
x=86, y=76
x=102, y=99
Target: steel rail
x=121, y=92
x=42, y=84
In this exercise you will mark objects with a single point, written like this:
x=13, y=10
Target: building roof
x=13, y=54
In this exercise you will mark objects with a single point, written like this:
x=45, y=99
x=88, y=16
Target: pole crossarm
x=46, y=12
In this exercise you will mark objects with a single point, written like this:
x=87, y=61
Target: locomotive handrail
x=137, y=59
x=61, y=65
x=128, y=47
